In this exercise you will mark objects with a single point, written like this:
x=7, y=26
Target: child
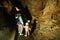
x=27, y=28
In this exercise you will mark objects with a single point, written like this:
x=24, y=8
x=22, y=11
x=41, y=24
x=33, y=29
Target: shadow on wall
x=26, y=14
x=33, y=26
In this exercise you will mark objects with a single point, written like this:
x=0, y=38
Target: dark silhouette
x=33, y=26
x=26, y=14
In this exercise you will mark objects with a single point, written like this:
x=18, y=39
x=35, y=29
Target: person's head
x=17, y=9
x=26, y=24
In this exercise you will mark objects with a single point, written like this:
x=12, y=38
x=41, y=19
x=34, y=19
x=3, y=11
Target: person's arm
x=16, y=17
x=29, y=28
x=23, y=26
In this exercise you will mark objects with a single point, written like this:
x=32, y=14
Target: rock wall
x=47, y=14
x=6, y=4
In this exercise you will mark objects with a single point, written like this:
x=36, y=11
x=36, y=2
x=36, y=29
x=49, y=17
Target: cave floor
x=6, y=34
x=25, y=38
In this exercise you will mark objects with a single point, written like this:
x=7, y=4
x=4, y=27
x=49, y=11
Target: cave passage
x=8, y=22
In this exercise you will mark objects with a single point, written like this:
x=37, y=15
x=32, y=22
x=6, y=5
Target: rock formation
x=47, y=14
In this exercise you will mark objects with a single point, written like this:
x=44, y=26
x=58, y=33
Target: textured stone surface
x=47, y=14
x=8, y=5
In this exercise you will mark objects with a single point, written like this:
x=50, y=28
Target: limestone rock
x=48, y=17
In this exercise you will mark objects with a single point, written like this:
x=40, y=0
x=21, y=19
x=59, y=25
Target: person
x=20, y=27
x=19, y=22
x=27, y=28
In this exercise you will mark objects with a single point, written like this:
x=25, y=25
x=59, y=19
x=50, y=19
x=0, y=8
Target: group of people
x=21, y=25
